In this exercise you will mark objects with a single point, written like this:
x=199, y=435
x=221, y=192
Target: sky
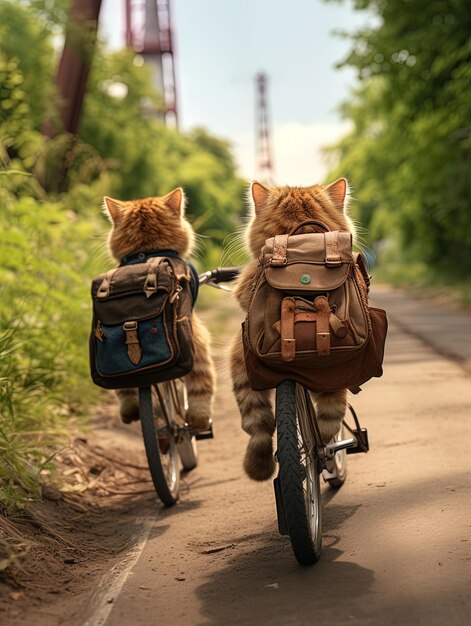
x=220, y=45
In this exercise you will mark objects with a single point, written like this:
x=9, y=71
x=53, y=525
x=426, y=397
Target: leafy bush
x=409, y=151
x=45, y=269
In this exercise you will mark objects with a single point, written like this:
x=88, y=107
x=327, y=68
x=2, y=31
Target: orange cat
x=276, y=211
x=160, y=224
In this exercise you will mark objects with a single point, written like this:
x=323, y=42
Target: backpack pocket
x=127, y=347
x=304, y=278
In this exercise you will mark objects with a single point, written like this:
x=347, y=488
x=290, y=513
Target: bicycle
x=168, y=438
x=302, y=456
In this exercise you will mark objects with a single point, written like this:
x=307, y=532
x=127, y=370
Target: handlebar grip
x=225, y=274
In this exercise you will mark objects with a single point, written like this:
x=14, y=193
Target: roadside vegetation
x=409, y=150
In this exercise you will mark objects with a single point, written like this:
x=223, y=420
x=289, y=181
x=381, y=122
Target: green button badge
x=305, y=279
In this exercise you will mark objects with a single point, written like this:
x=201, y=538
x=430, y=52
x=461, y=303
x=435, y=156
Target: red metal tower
x=264, y=156
x=149, y=33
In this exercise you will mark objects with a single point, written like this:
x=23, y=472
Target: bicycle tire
x=163, y=465
x=298, y=476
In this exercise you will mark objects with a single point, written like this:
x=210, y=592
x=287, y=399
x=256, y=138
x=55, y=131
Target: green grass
x=46, y=264
x=45, y=272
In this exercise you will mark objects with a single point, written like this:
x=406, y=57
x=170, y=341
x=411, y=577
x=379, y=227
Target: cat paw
x=198, y=417
x=198, y=422
x=129, y=409
x=259, y=463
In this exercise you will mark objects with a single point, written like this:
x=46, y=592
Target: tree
x=409, y=152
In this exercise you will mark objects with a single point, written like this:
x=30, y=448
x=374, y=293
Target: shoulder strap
x=361, y=263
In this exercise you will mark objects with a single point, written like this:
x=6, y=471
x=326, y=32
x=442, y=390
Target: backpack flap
x=132, y=292
x=313, y=262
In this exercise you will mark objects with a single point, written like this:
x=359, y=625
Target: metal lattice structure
x=149, y=33
x=264, y=155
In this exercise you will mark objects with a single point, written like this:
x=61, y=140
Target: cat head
x=149, y=224
x=277, y=210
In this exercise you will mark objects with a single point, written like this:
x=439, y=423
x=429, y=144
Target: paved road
x=445, y=329
x=396, y=536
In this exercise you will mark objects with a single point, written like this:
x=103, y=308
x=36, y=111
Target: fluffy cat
x=276, y=211
x=153, y=224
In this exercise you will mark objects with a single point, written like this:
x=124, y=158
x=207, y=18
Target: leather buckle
x=132, y=342
x=333, y=261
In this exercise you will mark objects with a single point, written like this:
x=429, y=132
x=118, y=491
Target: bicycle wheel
x=298, y=471
x=160, y=442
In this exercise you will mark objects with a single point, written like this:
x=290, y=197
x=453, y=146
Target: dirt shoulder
x=81, y=526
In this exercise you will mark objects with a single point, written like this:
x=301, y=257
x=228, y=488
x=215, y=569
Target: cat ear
x=259, y=194
x=112, y=207
x=175, y=200
x=337, y=192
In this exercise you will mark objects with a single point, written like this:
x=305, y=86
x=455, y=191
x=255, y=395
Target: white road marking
x=111, y=584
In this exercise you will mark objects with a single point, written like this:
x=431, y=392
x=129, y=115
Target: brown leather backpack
x=141, y=328
x=309, y=318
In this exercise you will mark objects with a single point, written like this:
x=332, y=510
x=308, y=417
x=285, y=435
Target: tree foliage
x=148, y=158
x=409, y=153
x=120, y=138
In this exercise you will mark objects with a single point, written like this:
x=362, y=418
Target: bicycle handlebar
x=220, y=275
x=225, y=274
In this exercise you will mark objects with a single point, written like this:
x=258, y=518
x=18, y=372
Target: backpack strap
x=360, y=261
x=322, y=325
x=150, y=286
x=194, y=282
x=288, y=342
x=332, y=249
x=104, y=289
x=278, y=257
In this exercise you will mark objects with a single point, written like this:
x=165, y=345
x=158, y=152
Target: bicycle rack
x=361, y=438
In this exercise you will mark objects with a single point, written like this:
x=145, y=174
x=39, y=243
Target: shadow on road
x=261, y=579
x=264, y=582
